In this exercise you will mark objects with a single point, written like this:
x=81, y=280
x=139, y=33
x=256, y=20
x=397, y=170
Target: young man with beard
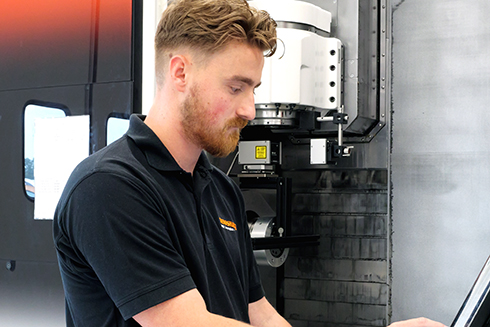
x=147, y=231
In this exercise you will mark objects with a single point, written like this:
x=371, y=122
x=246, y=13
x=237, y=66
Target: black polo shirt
x=132, y=229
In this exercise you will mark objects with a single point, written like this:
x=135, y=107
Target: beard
x=200, y=130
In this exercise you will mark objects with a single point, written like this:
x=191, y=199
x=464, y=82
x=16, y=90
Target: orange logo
x=227, y=224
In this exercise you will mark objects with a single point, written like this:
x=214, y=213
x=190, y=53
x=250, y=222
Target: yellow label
x=261, y=152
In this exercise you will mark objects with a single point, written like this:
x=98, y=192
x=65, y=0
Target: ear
x=178, y=71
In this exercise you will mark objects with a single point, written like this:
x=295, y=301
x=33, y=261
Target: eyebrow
x=245, y=80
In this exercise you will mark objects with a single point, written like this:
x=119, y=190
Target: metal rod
x=341, y=135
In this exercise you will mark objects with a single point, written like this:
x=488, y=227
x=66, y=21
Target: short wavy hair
x=207, y=26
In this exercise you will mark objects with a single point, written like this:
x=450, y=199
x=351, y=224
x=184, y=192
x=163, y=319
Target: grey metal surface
x=343, y=281
x=441, y=154
x=355, y=23
x=31, y=295
x=57, y=73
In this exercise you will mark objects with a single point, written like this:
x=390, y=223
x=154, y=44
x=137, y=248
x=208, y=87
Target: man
x=147, y=231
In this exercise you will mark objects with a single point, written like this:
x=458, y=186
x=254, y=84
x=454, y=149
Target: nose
x=247, y=108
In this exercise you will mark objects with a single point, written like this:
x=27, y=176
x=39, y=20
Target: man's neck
x=169, y=130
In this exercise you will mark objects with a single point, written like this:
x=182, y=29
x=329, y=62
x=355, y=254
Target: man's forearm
x=274, y=321
x=263, y=314
x=187, y=309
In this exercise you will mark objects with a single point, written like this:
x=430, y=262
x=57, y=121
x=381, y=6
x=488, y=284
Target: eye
x=235, y=89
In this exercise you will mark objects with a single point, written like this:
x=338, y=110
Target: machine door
x=57, y=59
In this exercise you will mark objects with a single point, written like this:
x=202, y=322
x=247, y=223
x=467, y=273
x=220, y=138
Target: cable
x=232, y=163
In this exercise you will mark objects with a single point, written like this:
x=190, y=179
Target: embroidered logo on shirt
x=229, y=225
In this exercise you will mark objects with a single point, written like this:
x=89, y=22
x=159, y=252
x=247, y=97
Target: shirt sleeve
x=121, y=234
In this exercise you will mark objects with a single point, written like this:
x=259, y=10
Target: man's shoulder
x=119, y=160
x=120, y=156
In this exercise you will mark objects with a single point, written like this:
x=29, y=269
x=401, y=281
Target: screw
x=10, y=265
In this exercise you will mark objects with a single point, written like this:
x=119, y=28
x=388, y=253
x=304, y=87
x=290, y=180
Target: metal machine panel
x=307, y=74
x=21, y=237
x=114, y=39
x=109, y=99
x=44, y=43
x=301, y=12
x=440, y=160
x=256, y=152
x=51, y=55
x=32, y=295
x=361, y=27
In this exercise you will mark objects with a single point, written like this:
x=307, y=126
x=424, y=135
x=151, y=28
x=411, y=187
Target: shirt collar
x=155, y=151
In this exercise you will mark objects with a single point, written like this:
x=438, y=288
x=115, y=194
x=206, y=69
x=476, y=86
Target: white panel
x=296, y=12
x=318, y=151
x=300, y=72
x=152, y=11
x=59, y=145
